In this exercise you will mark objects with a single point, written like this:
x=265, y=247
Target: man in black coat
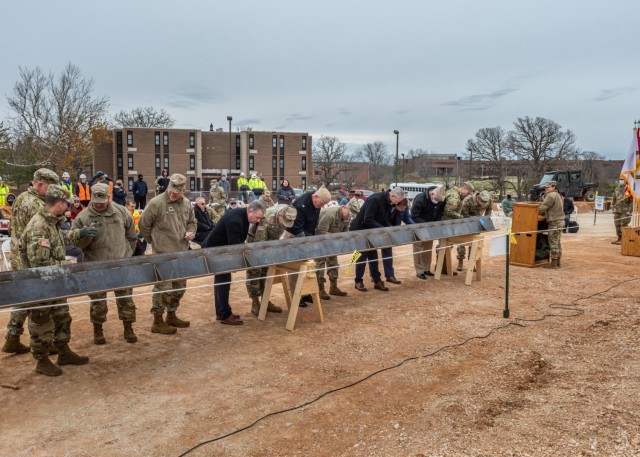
x=232, y=228
x=205, y=223
x=140, y=191
x=427, y=207
x=308, y=208
x=374, y=214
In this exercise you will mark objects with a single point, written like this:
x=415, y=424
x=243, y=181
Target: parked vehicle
x=362, y=194
x=4, y=227
x=412, y=189
x=569, y=181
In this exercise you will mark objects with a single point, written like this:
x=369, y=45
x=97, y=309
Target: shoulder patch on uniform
x=44, y=243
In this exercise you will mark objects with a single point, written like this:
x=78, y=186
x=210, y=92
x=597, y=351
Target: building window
x=165, y=139
x=119, y=138
x=303, y=164
x=120, y=162
x=281, y=164
x=250, y=162
x=158, y=171
x=274, y=142
x=192, y=162
x=237, y=162
x=251, y=142
x=192, y=183
x=130, y=161
x=129, y=138
x=274, y=184
x=192, y=140
x=274, y=162
x=130, y=181
x=157, y=139
x=304, y=183
x=281, y=142
x=166, y=163
x=304, y=143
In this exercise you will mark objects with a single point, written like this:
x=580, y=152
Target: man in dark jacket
x=427, y=207
x=140, y=191
x=397, y=215
x=308, y=208
x=119, y=194
x=232, y=228
x=374, y=214
x=205, y=223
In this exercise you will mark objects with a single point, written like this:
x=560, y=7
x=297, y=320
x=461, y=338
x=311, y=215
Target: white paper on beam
x=498, y=246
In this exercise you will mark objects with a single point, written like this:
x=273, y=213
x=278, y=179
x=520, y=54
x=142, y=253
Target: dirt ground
x=430, y=368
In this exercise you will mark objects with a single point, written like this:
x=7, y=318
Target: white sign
x=600, y=203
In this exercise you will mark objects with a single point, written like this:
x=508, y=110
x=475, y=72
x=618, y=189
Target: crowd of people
x=53, y=215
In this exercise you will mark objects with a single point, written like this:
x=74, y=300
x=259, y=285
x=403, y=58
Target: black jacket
x=205, y=225
x=140, y=188
x=232, y=228
x=374, y=213
x=307, y=218
x=567, y=206
x=424, y=210
x=119, y=195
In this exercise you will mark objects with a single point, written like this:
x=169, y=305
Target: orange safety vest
x=84, y=192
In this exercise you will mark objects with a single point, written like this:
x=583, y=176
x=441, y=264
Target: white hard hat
x=0, y=178
x=254, y=175
x=242, y=173
x=83, y=176
x=65, y=175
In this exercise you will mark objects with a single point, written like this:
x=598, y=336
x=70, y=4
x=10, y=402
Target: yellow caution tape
x=354, y=258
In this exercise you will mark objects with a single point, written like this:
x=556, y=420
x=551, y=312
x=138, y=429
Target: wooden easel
x=306, y=284
x=475, y=258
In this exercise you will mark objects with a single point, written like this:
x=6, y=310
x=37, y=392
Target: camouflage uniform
x=552, y=209
x=116, y=239
x=43, y=244
x=24, y=208
x=472, y=205
x=217, y=195
x=265, y=198
x=622, y=208
x=331, y=221
x=215, y=216
x=268, y=229
x=453, y=204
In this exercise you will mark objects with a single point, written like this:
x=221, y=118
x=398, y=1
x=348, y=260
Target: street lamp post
x=229, y=118
x=395, y=168
x=402, y=167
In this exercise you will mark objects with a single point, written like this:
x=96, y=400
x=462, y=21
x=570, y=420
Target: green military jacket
x=621, y=204
x=331, y=221
x=268, y=228
x=552, y=207
x=217, y=195
x=470, y=207
x=43, y=243
x=453, y=204
x=25, y=206
x=164, y=223
x=116, y=237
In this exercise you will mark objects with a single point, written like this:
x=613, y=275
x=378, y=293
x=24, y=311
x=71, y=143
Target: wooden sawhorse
x=306, y=284
x=475, y=258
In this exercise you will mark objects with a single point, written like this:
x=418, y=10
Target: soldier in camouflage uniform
x=168, y=223
x=453, y=206
x=116, y=239
x=24, y=208
x=265, y=198
x=476, y=204
x=217, y=198
x=43, y=244
x=275, y=220
x=333, y=219
x=622, y=208
x=553, y=210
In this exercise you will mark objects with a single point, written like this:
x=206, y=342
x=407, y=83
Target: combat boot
x=558, y=262
x=323, y=294
x=68, y=357
x=255, y=305
x=98, y=336
x=460, y=265
x=333, y=290
x=128, y=332
x=553, y=265
x=47, y=368
x=159, y=326
x=618, y=241
x=13, y=345
x=175, y=321
x=271, y=308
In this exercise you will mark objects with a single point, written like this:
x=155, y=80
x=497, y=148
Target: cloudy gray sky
x=435, y=70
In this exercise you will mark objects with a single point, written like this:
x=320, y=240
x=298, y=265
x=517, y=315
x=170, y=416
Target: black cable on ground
x=571, y=306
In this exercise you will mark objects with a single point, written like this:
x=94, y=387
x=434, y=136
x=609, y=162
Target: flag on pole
x=631, y=164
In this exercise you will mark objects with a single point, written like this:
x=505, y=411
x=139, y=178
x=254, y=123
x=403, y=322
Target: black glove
x=88, y=231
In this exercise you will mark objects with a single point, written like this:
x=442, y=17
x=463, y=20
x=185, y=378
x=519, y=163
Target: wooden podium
x=631, y=241
x=526, y=219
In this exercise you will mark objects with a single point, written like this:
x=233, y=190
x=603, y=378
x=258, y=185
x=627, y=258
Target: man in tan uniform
x=552, y=209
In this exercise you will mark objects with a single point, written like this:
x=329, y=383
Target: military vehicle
x=569, y=181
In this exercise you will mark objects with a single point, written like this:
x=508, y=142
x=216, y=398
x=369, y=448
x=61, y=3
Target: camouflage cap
x=56, y=191
x=99, y=193
x=551, y=184
x=485, y=196
x=46, y=175
x=354, y=206
x=289, y=215
x=177, y=182
x=324, y=194
x=469, y=186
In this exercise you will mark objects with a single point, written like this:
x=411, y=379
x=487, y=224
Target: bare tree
x=377, y=156
x=541, y=143
x=489, y=145
x=331, y=160
x=146, y=117
x=54, y=121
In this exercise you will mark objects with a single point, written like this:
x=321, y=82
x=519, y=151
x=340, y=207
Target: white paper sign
x=600, y=203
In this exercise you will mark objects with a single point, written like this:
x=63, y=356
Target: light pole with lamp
x=229, y=118
x=395, y=168
x=402, y=166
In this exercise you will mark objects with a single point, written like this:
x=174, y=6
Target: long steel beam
x=49, y=283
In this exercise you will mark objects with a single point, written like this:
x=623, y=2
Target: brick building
x=203, y=155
